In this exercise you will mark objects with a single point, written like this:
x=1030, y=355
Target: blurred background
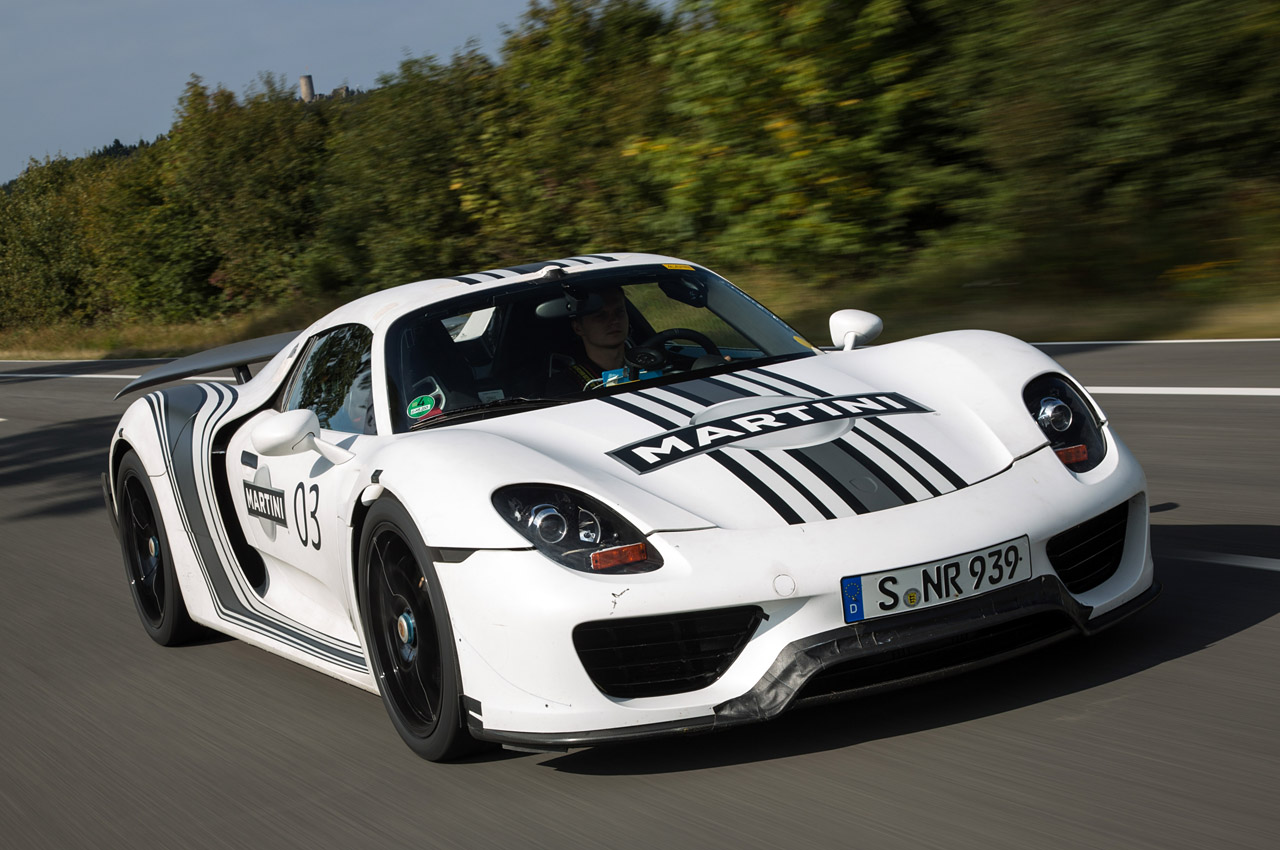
x=1056, y=169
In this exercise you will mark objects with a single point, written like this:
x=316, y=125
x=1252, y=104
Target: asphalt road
x=1163, y=732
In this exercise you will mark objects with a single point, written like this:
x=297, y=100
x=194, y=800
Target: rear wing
x=237, y=356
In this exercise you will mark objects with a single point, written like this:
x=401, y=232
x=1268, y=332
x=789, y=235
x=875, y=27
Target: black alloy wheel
x=406, y=642
x=407, y=632
x=147, y=561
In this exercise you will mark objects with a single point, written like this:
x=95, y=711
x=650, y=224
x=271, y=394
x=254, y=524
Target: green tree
x=548, y=173
x=44, y=265
x=389, y=213
x=804, y=131
x=1115, y=136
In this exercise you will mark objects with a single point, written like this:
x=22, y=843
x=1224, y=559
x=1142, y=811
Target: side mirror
x=852, y=328
x=292, y=432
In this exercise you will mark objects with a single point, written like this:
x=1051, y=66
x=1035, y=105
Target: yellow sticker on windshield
x=677, y=266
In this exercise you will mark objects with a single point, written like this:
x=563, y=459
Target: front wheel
x=406, y=628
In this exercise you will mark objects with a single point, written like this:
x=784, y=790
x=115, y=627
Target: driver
x=602, y=335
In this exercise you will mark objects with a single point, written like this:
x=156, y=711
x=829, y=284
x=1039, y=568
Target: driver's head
x=605, y=327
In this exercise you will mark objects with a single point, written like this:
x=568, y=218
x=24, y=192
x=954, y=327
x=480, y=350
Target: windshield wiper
x=498, y=407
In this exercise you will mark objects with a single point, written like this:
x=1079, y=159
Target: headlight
x=1070, y=424
x=575, y=530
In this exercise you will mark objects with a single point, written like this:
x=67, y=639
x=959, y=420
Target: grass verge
x=116, y=341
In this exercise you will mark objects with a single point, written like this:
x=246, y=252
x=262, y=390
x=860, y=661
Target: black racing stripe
x=653, y=397
x=915, y=473
x=530, y=268
x=684, y=392
x=830, y=480
x=715, y=392
x=738, y=392
x=182, y=404
x=812, y=498
x=759, y=383
x=880, y=474
x=493, y=275
x=793, y=382
x=462, y=279
x=742, y=474
x=743, y=376
x=600, y=257
x=758, y=487
x=635, y=410
x=927, y=456
x=853, y=476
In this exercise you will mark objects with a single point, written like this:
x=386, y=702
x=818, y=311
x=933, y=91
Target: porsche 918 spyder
x=611, y=496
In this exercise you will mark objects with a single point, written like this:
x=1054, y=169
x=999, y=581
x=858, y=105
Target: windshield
x=579, y=335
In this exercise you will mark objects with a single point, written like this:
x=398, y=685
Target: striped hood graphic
x=761, y=447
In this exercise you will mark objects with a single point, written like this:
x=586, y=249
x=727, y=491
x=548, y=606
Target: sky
x=77, y=74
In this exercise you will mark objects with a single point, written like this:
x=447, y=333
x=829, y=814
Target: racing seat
x=430, y=364
x=529, y=348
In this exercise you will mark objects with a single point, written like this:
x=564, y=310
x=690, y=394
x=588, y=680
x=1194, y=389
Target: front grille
x=670, y=654
x=1088, y=554
x=883, y=670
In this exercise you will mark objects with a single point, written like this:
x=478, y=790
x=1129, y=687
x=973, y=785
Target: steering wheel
x=653, y=355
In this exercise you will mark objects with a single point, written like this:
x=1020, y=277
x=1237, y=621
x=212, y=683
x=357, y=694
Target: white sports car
x=611, y=496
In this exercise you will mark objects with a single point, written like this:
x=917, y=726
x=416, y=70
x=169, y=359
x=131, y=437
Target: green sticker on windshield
x=421, y=406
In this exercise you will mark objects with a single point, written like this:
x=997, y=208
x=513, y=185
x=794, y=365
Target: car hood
x=808, y=440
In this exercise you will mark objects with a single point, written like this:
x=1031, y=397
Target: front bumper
x=878, y=655
x=514, y=613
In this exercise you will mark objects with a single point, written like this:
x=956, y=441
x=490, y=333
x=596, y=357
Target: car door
x=291, y=504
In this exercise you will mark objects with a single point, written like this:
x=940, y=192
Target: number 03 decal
x=300, y=520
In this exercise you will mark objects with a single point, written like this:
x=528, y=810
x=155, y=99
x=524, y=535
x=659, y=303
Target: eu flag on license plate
x=851, y=594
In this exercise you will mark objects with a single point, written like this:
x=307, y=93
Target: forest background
x=1056, y=168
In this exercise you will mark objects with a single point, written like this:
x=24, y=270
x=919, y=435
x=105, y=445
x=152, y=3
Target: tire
x=148, y=562
x=406, y=628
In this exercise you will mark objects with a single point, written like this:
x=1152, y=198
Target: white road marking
x=131, y=360
x=120, y=377
x=1157, y=341
x=1241, y=391
x=61, y=375
x=1250, y=561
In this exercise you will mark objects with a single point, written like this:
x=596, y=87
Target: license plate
x=937, y=582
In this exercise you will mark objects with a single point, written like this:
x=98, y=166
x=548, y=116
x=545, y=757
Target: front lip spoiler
x=781, y=687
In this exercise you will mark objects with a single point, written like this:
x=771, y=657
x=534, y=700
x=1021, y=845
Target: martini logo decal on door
x=265, y=503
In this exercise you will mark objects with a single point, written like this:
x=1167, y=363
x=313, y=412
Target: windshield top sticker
x=679, y=443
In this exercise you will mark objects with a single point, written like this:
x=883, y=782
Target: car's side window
x=335, y=380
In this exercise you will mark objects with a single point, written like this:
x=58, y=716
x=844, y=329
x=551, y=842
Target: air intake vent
x=1088, y=554
x=670, y=654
